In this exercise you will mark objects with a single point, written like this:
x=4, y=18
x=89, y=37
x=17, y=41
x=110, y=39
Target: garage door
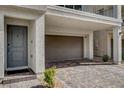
x=60, y=48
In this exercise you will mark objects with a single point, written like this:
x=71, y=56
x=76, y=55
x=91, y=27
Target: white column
x=91, y=45
x=109, y=45
x=117, y=45
x=117, y=11
x=88, y=46
x=40, y=55
x=1, y=46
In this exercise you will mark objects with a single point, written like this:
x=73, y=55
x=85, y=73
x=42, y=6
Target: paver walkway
x=23, y=84
x=84, y=76
x=92, y=76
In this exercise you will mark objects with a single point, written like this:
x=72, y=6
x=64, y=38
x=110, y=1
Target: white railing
x=101, y=10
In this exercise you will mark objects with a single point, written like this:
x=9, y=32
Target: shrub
x=49, y=76
x=105, y=58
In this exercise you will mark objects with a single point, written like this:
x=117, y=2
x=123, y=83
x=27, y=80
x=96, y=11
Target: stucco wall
x=100, y=43
x=32, y=52
x=40, y=47
x=34, y=7
x=19, y=13
x=1, y=46
x=59, y=48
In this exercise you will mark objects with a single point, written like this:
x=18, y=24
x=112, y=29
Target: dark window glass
x=61, y=5
x=101, y=11
x=77, y=7
x=69, y=6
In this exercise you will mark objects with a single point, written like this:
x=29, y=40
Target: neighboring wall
x=60, y=48
x=100, y=43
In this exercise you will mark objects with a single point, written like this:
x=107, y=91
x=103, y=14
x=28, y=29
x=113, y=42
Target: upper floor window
x=95, y=9
x=101, y=11
x=69, y=6
x=61, y=5
x=76, y=7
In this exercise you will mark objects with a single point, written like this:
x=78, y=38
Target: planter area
x=71, y=63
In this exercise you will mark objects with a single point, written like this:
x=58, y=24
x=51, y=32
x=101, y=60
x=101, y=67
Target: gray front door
x=16, y=46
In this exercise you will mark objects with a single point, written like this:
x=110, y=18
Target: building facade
x=32, y=35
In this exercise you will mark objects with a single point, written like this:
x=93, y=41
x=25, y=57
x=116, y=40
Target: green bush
x=105, y=58
x=49, y=76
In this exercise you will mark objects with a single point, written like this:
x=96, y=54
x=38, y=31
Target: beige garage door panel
x=59, y=48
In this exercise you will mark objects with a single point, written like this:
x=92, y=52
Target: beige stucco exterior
x=100, y=41
x=56, y=33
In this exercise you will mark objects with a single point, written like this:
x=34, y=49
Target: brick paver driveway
x=90, y=76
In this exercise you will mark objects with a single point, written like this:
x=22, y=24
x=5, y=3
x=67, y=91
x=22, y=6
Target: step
x=18, y=76
x=18, y=79
x=97, y=63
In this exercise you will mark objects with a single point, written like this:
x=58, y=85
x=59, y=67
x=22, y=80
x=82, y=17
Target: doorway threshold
x=17, y=68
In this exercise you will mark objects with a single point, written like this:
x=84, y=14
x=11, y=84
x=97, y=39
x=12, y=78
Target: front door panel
x=16, y=46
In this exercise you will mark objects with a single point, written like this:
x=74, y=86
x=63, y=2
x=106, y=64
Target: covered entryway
x=61, y=33
x=62, y=21
x=17, y=50
x=21, y=39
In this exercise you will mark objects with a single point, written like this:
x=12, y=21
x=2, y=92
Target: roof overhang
x=68, y=18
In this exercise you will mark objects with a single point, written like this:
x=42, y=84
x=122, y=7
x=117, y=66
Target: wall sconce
x=85, y=36
x=31, y=41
